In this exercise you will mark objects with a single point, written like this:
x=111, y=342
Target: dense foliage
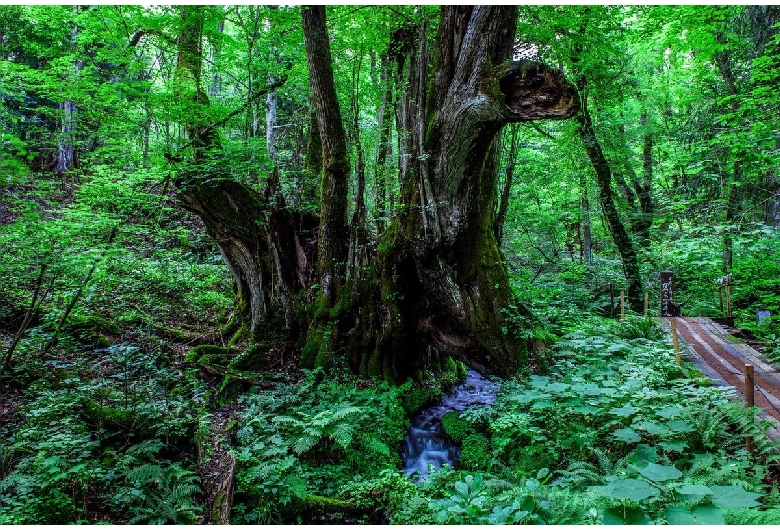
x=122, y=356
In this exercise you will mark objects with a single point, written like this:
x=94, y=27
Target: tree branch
x=254, y=97
x=27, y=317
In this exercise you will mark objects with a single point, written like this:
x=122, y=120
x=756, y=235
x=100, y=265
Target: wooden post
x=749, y=399
x=675, y=341
x=622, y=305
x=647, y=303
x=720, y=296
x=611, y=300
x=728, y=300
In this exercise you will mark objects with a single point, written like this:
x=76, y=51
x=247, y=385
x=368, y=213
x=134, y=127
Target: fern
x=753, y=517
x=306, y=431
x=160, y=495
x=579, y=475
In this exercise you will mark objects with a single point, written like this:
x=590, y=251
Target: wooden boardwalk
x=722, y=358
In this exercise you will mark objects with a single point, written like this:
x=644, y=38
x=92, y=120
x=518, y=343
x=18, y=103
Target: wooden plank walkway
x=722, y=358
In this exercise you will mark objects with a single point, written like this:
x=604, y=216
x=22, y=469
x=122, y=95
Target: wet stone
x=426, y=443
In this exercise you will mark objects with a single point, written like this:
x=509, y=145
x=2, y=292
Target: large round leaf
x=699, y=514
x=734, y=497
x=660, y=473
x=693, y=492
x=627, y=435
x=625, y=515
x=627, y=488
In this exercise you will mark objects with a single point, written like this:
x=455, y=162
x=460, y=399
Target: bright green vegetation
x=134, y=368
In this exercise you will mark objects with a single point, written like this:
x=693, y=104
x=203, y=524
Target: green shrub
x=475, y=453
x=456, y=427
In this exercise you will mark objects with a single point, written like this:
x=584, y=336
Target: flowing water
x=426, y=442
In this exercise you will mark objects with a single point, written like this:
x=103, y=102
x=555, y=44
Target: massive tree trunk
x=445, y=289
x=266, y=246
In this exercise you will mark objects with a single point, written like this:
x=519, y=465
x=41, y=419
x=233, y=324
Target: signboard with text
x=667, y=294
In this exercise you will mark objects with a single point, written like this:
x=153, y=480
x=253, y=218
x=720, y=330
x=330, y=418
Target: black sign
x=725, y=280
x=667, y=294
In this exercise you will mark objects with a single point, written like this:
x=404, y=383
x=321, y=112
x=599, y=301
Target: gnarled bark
x=449, y=293
x=436, y=285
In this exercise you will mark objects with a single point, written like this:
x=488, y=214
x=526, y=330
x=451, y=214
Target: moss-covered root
x=209, y=354
x=217, y=466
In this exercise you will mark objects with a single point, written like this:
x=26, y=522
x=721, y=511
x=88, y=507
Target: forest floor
x=723, y=357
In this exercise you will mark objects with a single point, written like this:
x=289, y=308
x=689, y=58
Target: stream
x=426, y=442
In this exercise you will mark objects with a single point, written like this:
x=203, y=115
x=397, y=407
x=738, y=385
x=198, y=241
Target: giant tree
x=436, y=284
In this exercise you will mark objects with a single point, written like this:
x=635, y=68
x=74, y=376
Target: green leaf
x=692, y=492
x=699, y=514
x=585, y=409
x=624, y=411
x=627, y=435
x=627, y=488
x=734, y=497
x=652, y=427
x=680, y=426
x=677, y=446
x=643, y=455
x=557, y=388
x=623, y=515
x=669, y=412
x=462, y=488
x=660, y=473
x=543, y=404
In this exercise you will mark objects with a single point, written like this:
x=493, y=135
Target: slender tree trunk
x=332, y=236
x=637, y=194
x=66, y=155
x=384, y=117
x=271, y=110
x=604, y=180
x=358, y=240
x=643, y=190
x=587, y=245
x=732, y=201
x=503, y=206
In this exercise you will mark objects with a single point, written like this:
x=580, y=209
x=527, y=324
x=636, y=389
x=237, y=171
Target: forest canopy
x=356, y=204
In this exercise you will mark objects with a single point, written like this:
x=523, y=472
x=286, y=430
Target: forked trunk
x=435, y=284
x=445, y=289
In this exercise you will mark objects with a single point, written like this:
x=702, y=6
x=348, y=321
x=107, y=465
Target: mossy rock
x=104, y=341
x=209, y=354
x=414, y=399
x=452, y=372
x=90, y=324
x=475, y=454
x=456, y=427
